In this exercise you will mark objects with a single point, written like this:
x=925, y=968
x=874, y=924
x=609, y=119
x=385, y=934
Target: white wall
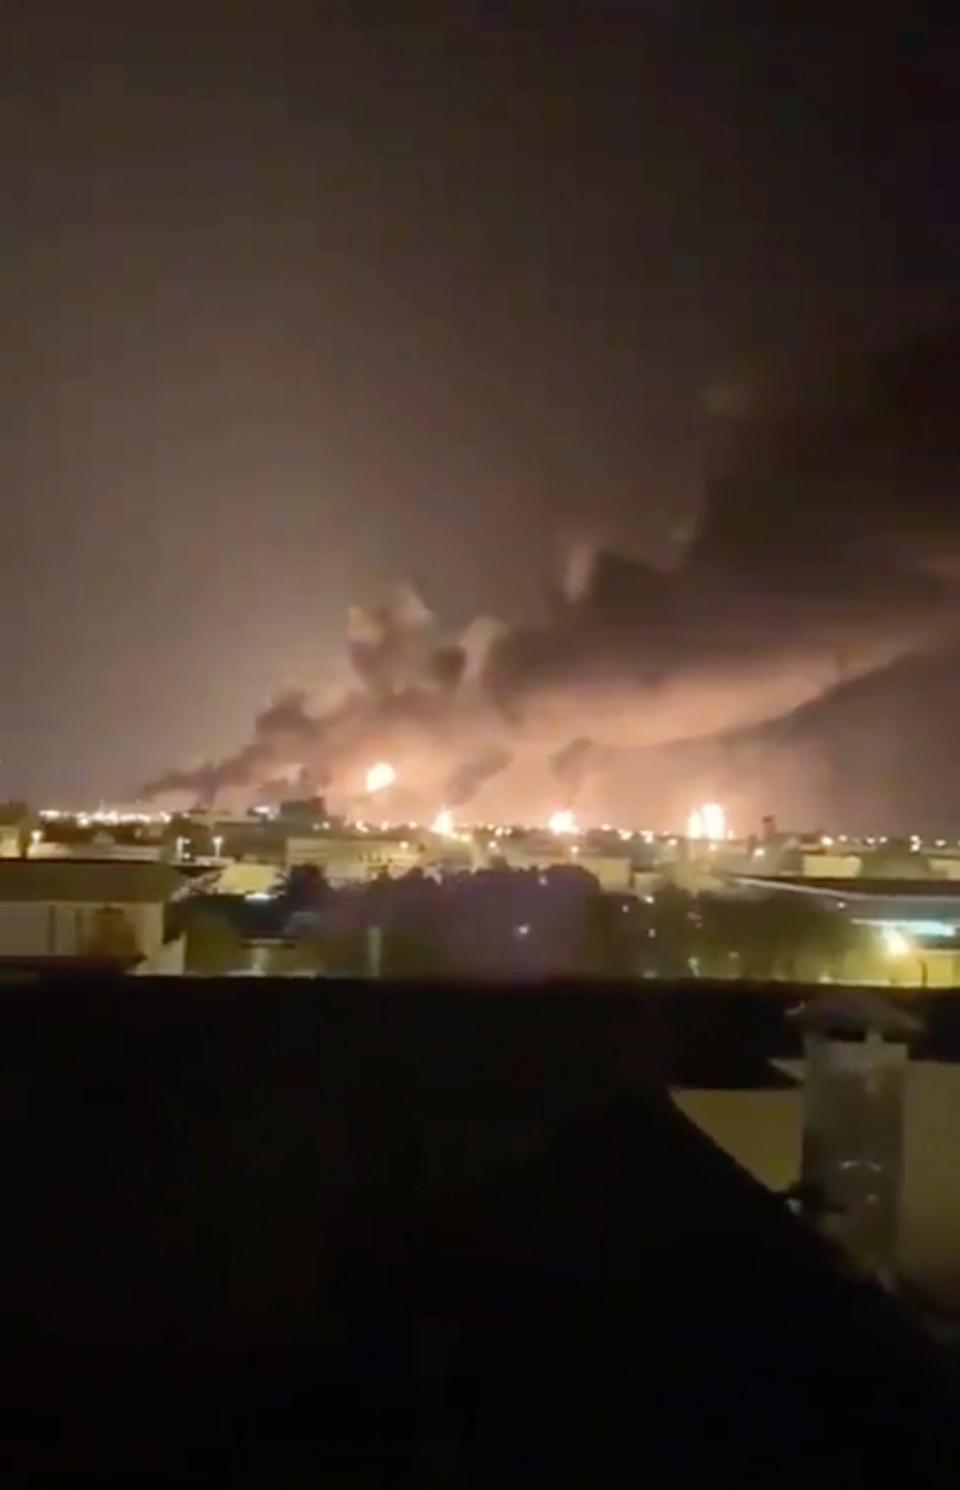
x=62, y=928
x=831, y=866
x=122, y=852
x=25, y=930
x=352, y=860
x=612, y=871
x=247, y=877
x=9, y=841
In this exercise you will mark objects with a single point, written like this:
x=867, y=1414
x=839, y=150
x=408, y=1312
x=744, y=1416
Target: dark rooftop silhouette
x=262, y=1227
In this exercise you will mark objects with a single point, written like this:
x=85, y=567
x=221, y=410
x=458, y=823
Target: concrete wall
x=247, y=877
x=10, y=841
x=612, y=871
x=353, y=860
x=831, y=866
x=34, y=928
x=137, y=853
x=938, y=967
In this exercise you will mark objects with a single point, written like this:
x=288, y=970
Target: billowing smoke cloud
x=827, y=551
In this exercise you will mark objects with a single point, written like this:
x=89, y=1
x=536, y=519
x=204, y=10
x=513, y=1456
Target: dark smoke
x=828, y=551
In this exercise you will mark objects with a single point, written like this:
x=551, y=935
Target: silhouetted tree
x=611, y=942
x=346, y=951
x=304, y=889
x=671, y=935
x=309, y=954
x=214, y=946
x=781, y=936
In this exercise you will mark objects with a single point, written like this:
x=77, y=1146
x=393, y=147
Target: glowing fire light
x=708, y=821
x=562, y=821
x=895, y=942
x=443, y=823
x=380, y=776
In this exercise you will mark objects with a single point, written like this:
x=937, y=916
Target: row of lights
x=916, y=842
x=104, y=816
x=707, y=823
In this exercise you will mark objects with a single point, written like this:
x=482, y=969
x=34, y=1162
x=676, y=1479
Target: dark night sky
x=294, y=305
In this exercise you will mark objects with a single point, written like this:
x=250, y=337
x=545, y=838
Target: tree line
x=503, y=923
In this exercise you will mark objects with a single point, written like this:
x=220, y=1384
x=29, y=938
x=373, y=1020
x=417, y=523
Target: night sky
x=294, y=305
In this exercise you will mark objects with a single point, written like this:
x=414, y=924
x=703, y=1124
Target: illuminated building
x=353, y=857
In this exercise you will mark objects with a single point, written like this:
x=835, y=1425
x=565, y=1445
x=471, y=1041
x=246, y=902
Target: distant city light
x=380, y=776
x=562, y=821
x=708, y=821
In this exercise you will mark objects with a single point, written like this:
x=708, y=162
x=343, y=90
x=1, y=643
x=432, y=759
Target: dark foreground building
x=301, y=1233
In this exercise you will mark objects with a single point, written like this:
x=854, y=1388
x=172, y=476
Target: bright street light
x=896, y=944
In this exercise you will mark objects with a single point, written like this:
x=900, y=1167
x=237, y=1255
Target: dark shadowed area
x=449, y=1232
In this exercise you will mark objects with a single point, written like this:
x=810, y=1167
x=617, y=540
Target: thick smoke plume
x=827, y=551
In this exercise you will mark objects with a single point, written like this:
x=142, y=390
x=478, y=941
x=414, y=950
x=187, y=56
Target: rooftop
x=475, y=1244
